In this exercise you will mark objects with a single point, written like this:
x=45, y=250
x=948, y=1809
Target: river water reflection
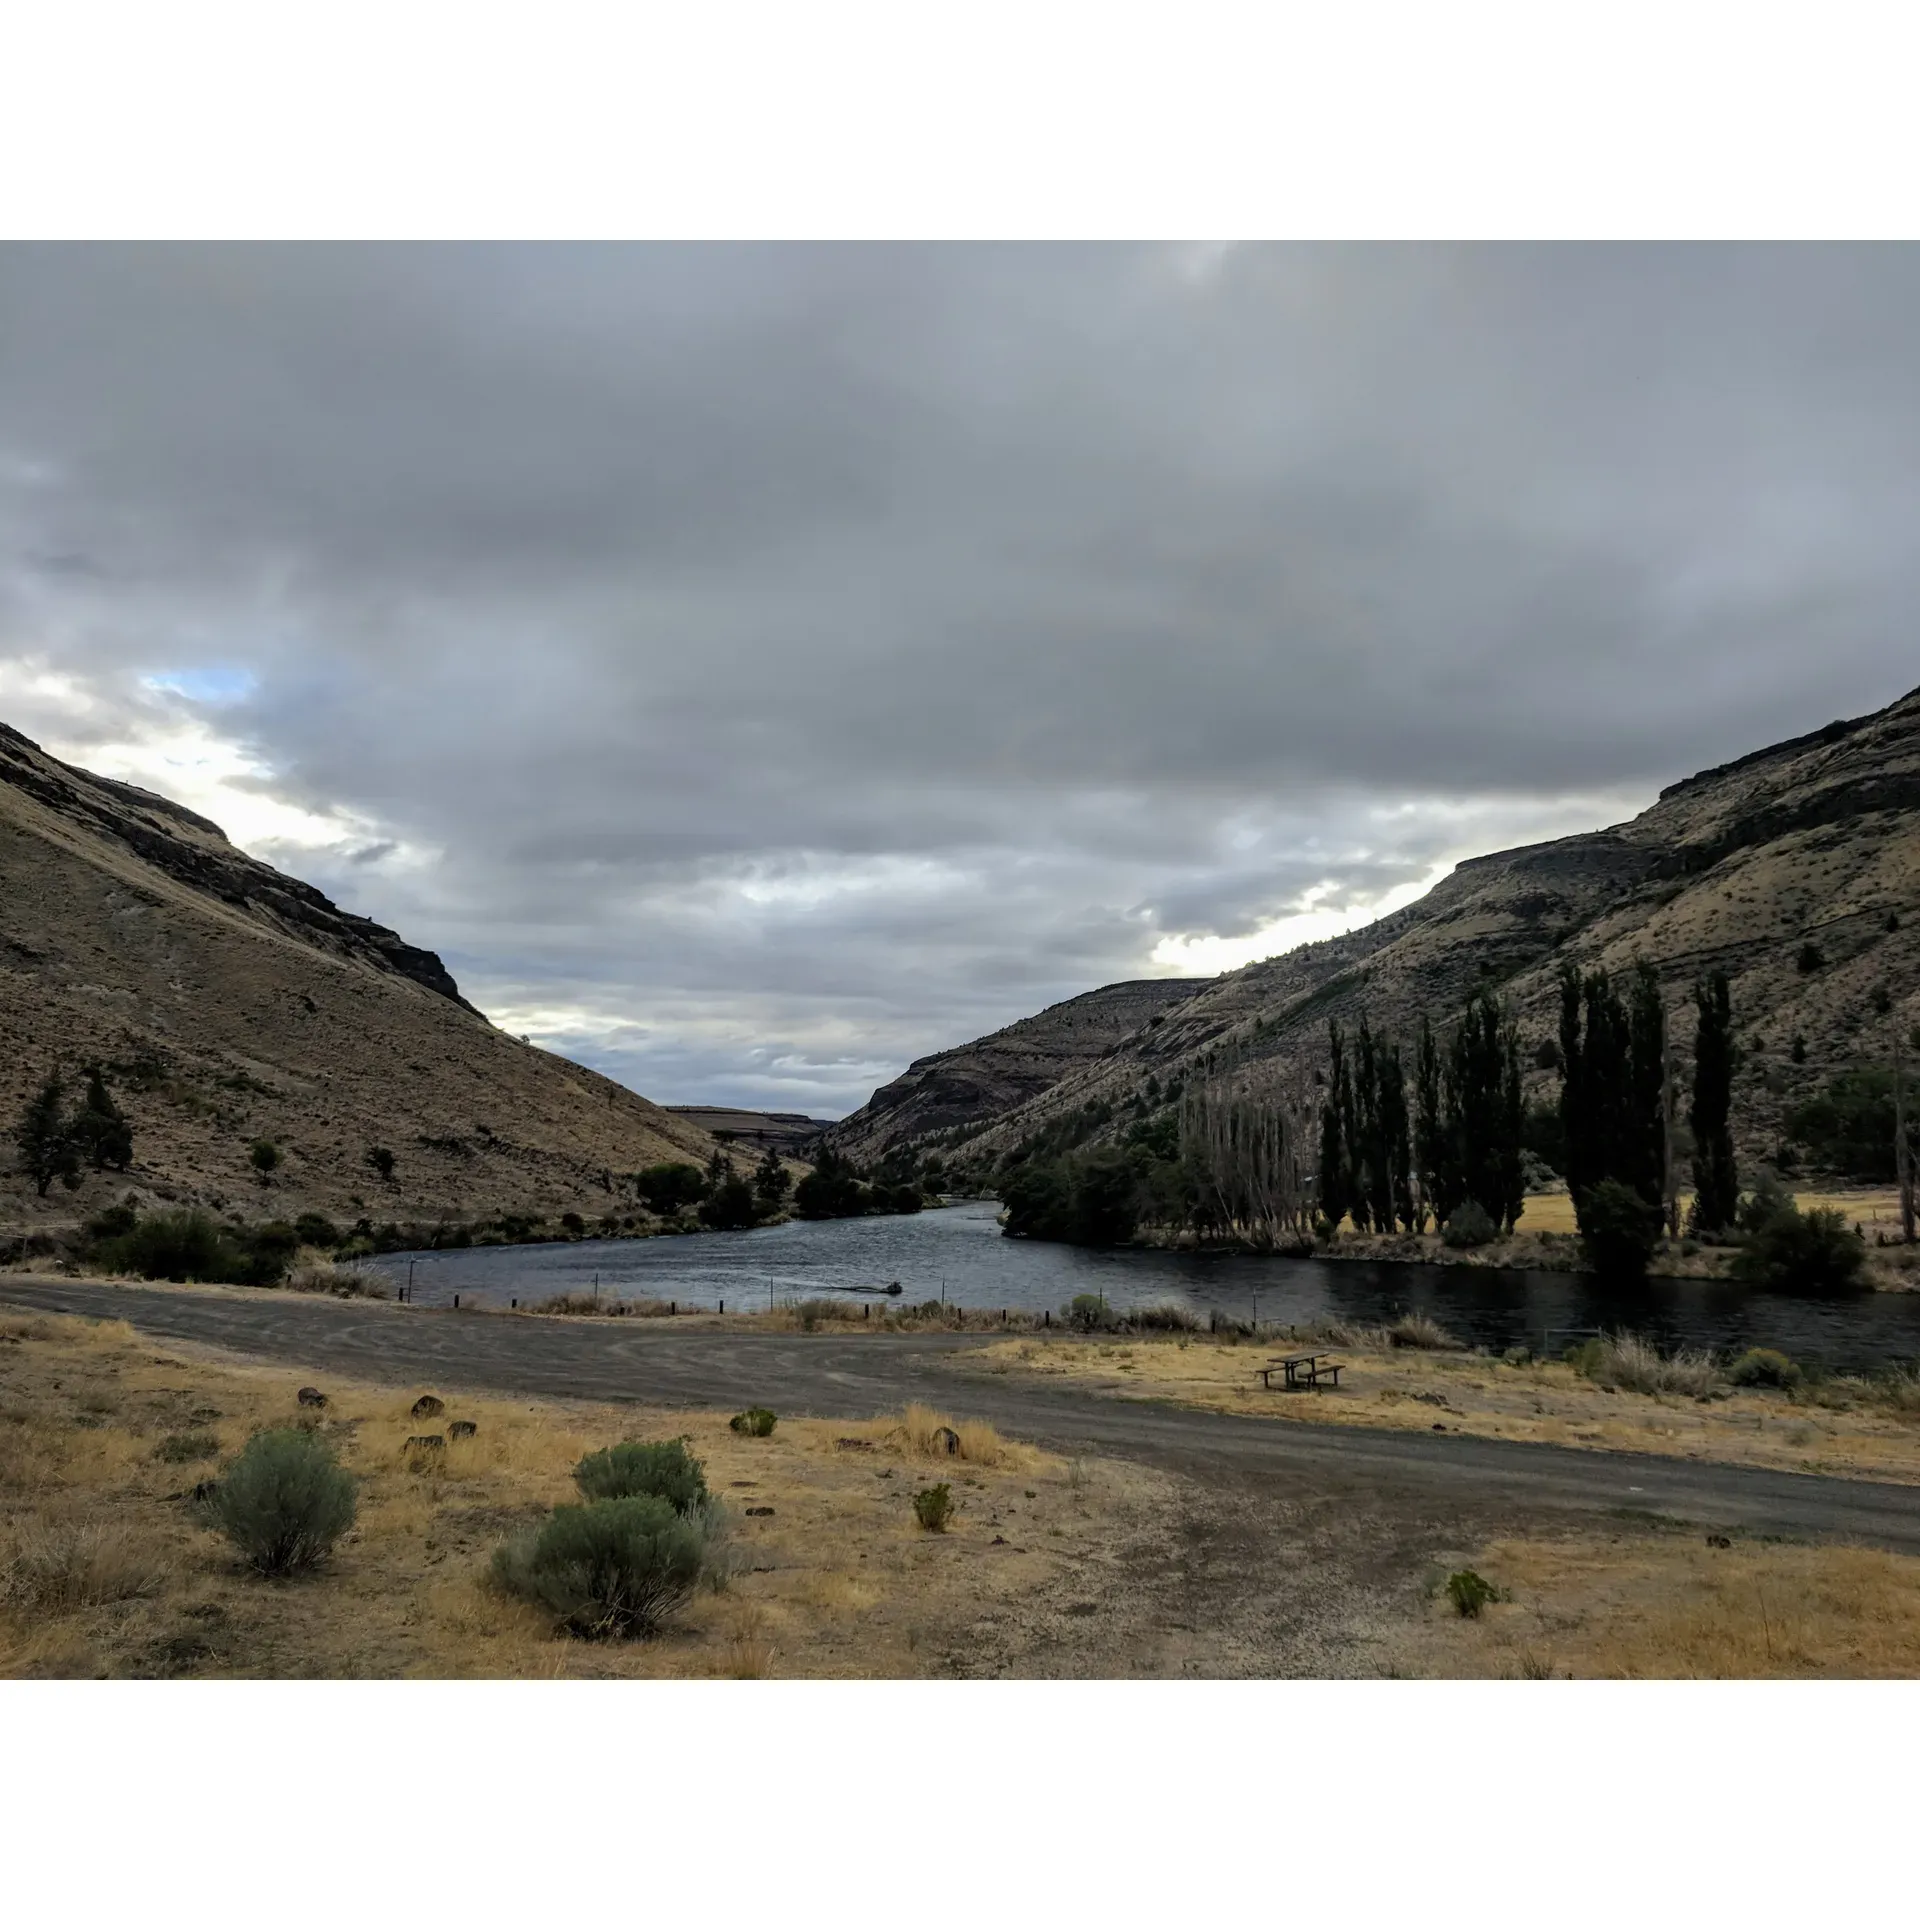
x=958, y=1253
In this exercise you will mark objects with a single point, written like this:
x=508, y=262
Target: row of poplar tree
x=1394, y=1154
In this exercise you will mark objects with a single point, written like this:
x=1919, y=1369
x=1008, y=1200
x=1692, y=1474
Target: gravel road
x=855, y=1376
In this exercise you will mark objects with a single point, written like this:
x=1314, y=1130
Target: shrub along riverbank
x=200, y=1244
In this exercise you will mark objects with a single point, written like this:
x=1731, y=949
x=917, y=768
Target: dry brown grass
x=748, y=1652
x=107, y=1570
x=1868, y=1430
x=315, y=1272
x=58, y=1568
x=1626, y=1360
x=1676, y=1608
x=923, y=1433
x=609, y=1305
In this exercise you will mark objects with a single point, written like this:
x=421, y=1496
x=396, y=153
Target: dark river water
x=958, y=1253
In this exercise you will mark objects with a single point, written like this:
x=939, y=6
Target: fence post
x=456, y=1303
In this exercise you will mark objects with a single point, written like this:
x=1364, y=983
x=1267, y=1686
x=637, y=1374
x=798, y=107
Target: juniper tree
x=1716, y=1180
x=771, y=1181
x=44, y=1138
x=100, y=1130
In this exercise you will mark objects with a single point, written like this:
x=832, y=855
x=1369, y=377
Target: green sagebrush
x=285, y=1501
x=616, y=1568
x=661, y=1468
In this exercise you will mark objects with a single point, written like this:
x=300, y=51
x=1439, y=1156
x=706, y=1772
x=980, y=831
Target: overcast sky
x=754, y=667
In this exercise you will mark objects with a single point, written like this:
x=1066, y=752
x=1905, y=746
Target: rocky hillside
x=230, y=1003
x=968, y=1086
x=1797, y=869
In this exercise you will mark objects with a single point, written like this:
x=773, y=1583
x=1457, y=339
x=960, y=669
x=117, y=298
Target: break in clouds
x=754, y=666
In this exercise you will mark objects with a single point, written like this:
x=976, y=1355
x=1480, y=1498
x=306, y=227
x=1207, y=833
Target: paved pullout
x=853, y=1376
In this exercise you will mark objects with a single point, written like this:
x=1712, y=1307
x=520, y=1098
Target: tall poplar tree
x=1435, y=1153
x=1335, y=1193
x=1395, y=1193
x=1716, y=1180
x=1646, y=1087
x=1484, y=1110
x=1613, y=1075
x=1371, y=1212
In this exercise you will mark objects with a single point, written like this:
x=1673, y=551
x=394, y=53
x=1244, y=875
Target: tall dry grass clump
x=748, y=1651
x=1896, y=1391
x=1636, y=1365
x=1425, y=1335
x=1345, y=1335
x=1414, y=1330
x=59, y=1569
x=923, y=1431
x=315, y=1271
x=810, y=1314
x=611, y=1306
x=1166, y=1315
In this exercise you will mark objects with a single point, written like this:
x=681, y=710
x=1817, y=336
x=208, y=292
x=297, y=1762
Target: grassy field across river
x=1629, y=1399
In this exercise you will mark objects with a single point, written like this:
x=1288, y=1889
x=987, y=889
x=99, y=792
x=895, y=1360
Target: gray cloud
x=758, y=665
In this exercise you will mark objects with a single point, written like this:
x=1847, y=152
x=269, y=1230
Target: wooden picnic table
x=1301, y=1372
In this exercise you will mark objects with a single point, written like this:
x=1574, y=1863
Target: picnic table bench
x=1301, y=1372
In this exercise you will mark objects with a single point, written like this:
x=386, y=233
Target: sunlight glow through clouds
x=1214, y=953
x=161, y=739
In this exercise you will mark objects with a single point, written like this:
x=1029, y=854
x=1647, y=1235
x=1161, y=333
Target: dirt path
x=1371, y=1482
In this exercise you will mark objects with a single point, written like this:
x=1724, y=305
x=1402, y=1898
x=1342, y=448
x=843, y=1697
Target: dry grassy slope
x=1817, y=839
x=131, y=930
x=969, y=1084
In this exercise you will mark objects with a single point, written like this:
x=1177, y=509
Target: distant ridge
x=787, y=1133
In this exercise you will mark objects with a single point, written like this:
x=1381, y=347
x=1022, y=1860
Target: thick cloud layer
x=752, y=667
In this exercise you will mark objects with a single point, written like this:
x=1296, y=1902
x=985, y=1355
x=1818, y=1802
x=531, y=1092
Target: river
x=958, y=1254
